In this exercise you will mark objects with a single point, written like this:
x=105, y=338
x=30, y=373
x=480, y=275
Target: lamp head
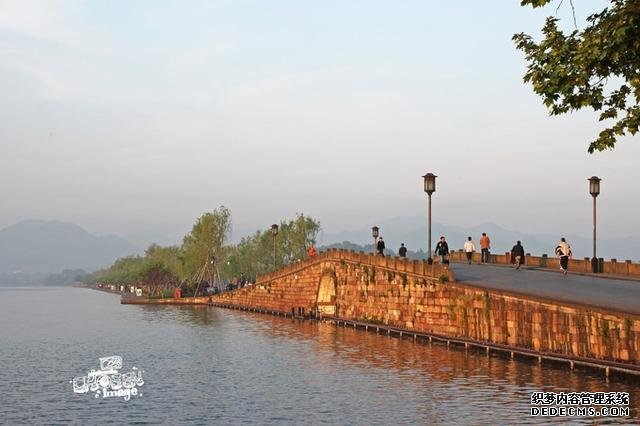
x=429, y=183
x=375, y=231
x=594, y=186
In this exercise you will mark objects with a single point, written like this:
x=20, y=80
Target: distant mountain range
x=412, y=231
x=37, y=246
x=32, y=250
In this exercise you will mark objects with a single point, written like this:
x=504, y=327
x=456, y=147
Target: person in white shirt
x=469, y=248
x=563, y=251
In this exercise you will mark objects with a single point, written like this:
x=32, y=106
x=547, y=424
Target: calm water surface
x=213, y=366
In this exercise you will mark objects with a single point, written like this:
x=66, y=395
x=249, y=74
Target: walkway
x=609, y=293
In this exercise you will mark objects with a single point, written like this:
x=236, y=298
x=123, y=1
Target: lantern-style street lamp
x=274, y=232
x=594, y=190
x=429, y=188
x=375, y=231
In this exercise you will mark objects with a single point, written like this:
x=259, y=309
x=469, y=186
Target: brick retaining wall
x=424, y=298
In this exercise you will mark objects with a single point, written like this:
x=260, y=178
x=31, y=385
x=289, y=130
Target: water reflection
x=215, y=366
x=488, y=380
x=198, y=315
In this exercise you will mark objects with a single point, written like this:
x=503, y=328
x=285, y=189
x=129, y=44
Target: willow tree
x=156, y=278
x=125, y=270
x=170, y=258
x=295, y=237
x=206, y=240
x=254, y=255
x=597, y=67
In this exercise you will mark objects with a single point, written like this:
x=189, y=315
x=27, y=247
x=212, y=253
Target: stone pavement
x=621, y=295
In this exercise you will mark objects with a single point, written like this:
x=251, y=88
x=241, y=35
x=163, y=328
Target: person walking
x=469, y=249
x=563, y=252
x=380, y=246
x=517, y=255
x=442, y=250
x=402, y=251
x=485, y=245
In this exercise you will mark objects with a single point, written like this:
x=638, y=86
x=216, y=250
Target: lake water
x=213, y=366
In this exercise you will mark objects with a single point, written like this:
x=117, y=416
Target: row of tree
x=263, y=252
x=163, y=268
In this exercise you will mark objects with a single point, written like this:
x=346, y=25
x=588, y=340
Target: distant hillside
x=37, y=247
x=412, y=231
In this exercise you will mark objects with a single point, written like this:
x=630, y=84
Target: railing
x=612, y=266
x=396, y=264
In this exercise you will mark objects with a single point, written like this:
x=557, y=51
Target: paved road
x=614, y=294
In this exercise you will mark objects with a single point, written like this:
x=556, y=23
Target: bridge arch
x=326, y=300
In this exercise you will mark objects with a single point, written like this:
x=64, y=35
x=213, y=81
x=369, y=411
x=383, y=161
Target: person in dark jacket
x=517, y=255
x=380, y=246
x=442, y=250
x=402, y=251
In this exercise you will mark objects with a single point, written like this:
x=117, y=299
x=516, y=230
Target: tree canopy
x=162, y=268
x=597, y=67
x=206, y=239
x=254, y=255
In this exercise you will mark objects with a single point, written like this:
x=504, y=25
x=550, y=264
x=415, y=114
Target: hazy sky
x=138, y=116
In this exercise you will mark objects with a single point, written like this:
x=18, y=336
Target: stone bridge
x=414, y=297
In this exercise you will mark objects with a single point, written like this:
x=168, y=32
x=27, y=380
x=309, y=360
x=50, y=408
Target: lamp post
x=274, y=232
x=594, y=190
x=375, y=231
x=429, y=188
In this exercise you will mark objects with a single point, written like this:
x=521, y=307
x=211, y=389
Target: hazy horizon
x=410, y=230
x=136, y=118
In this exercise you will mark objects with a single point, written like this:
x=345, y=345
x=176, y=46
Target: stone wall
x=454, y=310
x=295, y=292
x=419, y=297
x=296, y=287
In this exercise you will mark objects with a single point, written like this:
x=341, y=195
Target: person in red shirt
x=312, y=250
x=485, y=245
